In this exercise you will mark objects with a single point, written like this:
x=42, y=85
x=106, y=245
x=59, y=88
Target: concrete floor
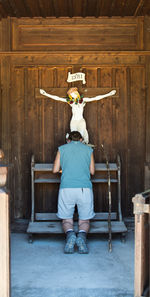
x=41, y=269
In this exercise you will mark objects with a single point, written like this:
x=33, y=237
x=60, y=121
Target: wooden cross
x=86, y=92
x=77, y=122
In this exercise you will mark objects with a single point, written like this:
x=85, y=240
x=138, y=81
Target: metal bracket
x=139, y=205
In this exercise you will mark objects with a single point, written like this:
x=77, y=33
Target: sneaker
x=81, y=243
x=70, y=243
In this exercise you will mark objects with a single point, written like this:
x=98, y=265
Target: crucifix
x=77, y=102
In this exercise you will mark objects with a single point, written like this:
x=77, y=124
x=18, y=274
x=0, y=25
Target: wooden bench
x=50, y=223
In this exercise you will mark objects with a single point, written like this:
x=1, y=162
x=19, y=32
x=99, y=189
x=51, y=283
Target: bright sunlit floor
x=42, y=269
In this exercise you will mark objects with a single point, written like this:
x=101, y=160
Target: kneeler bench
x=42, y=223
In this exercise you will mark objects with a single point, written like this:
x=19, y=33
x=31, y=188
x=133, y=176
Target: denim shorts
x=69, y=197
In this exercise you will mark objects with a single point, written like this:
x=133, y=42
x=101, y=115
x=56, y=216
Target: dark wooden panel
x=82, y=8
x=136, y=140
x=120, y=128
x=147, y=33
x=39, y=125
x=32, y=124
x=5, y=34
x=71, y=34
x=18, y=141
x=5, y=85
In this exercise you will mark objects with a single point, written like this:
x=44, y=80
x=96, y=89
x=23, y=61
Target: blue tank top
x=75, y=159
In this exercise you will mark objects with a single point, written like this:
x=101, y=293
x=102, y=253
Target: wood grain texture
x=31, y=123
x=71, y=34
x=78, y=58
x=39, y=126
x=71, y=8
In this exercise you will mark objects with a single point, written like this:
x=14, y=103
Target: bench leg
x=123, y=236
x=30, y=238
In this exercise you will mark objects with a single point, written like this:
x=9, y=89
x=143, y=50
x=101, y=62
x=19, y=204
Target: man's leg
x=67, y=225
x=84, y=226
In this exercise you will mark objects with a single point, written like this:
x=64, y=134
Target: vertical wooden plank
x=138, y=253
x=46, y=80
x=128, y=153
x=15, y=37
x=30, y=111
x=46, y=199
x=0, y=108
x=64, y=109
x=105, y=112
x=108, y=121
x=141, y=259
x=120, y=128
x=140, y=33
x=40, y=106
x=147, y=156
x=31, y=129
x=4, y=245
x=91, y=117
x=6, y=34
x=90, y=111
x=55, y=75
x=137, y=136
x=146, y=33
x=17, y=137
x=62, y=116
x=5, y=80
x=100, y=191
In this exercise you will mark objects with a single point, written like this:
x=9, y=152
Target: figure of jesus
x=77, y=104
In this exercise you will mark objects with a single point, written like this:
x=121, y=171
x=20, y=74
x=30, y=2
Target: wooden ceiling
x=73, y=8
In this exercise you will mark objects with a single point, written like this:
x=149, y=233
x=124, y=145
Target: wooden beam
x=4, y=245
x=141, y=244
x=87, y=92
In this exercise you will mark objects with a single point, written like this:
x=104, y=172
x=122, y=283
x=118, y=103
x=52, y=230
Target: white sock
x=69, y=230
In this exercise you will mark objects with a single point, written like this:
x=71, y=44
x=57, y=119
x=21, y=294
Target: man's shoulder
x=63, y=146
x=86, y=147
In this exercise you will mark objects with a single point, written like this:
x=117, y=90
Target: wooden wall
x=38, y=53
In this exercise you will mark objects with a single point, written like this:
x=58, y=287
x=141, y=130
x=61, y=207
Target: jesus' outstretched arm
x=99, y=97
x=52, y=96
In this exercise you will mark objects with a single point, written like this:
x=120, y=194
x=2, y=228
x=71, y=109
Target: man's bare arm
x=99, y=97
x=92, y=165
x=56, y=166
x=52, y=96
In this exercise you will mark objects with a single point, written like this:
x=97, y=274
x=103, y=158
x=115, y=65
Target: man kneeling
x=77, y=163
